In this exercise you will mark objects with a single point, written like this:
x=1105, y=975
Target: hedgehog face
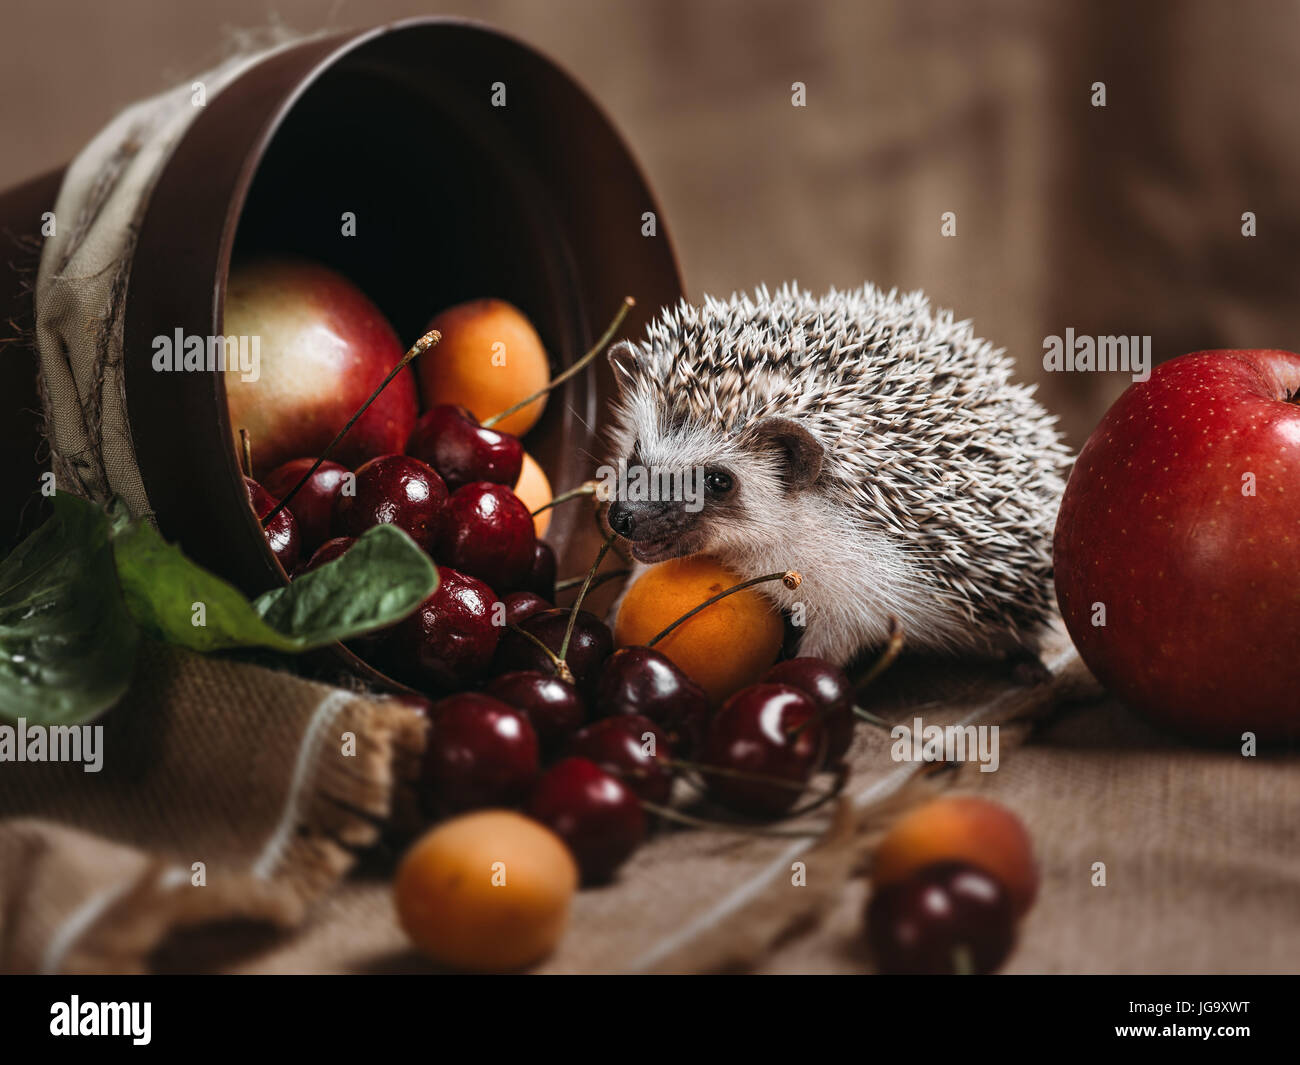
x=681, y=486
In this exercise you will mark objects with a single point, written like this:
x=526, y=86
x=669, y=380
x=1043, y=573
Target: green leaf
x=67, y=641
x=381, y=579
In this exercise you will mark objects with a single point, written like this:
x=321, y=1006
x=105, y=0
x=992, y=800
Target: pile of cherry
x=537, y=709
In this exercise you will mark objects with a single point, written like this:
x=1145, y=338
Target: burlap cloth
x=244, y=769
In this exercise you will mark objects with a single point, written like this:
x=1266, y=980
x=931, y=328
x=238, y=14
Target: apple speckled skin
x=1182, y=519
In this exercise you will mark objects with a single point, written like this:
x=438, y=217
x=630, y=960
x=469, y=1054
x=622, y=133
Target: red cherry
x=449, y=641
x=946, y=918
x=487, y=531
x=327, y=552
x=313, y=504
x=589, y=646
x=520, y=606
x=830, y=689
x=593, y=812
x=552, y=705
x=769, y=730
x=393, y=490
x=641, y=680
x=619, y=746
x=450, y=439
x=480, y=753
x=282, y=531
x=541, y=577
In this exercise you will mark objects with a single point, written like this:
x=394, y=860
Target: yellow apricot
x=963, y=828
x=534, y=489
x=724, y=647
x=487, y=891
x=489, y=358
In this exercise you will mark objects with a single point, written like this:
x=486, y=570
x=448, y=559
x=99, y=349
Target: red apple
x=1181, y=521
x=324, y=347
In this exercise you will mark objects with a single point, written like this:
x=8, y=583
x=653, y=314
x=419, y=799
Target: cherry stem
x=246, y=451
x=577, y=603
x=789, y=578
x=587, y=488
x=963, y=964
x=670, y=814
x=418, y=348
x=601, y=578
x=561, y=668
x=886, y=658
x=871, y=719
x=841, y=778
x=606, y=337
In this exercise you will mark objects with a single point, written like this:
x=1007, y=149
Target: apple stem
x=418, y=348
x=246, y=451
x=577, y=603
x=893, y=647
x=601, y=578
x=587, y=488
x=561, y=667
x=790, y=578
x=628, y=304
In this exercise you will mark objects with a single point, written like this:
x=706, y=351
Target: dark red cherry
x=313, y=504
x=541, y=577
x=487, y=531
x=595, y=813
x=480, y=753
x=632, y=748
x=552, y=705
x=588, y=648
x=945, y=918
x=282, y=532
x=327, y=552
x=641, y=680
x=769, y=730
x=830, y=689
x=449, y=641
x=393, y=490
x=450, y=439
x=520, y=606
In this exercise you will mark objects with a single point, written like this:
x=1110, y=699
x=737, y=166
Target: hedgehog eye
x=718, y=482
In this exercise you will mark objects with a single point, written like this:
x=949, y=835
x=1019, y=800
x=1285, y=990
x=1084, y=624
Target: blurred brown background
x=1117, y=220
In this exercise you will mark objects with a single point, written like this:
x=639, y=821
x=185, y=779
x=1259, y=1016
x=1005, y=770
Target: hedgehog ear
x=803, y=452
x=623, y=358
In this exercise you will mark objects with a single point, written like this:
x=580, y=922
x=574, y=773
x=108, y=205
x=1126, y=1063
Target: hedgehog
x=880, y=450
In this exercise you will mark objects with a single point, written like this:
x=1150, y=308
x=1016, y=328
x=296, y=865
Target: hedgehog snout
x=640, y=521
